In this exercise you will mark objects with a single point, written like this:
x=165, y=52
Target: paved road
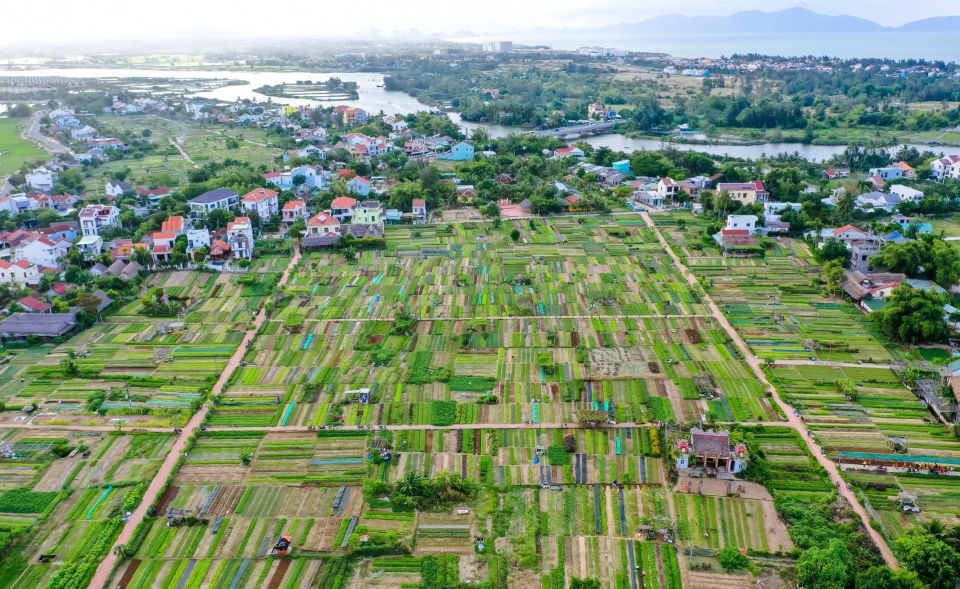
x=33, y=133
x=159, y=481
x=793, y=421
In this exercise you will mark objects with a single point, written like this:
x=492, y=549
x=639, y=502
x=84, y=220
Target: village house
x=359, y=185
x=293, y=210
x=116, y=188
x=945, y=168
x=20, y=274
x=261, y=201
x=42, y=179
x=162, y=245
x=878, y=200
x=460, y=152
x=90, y=246
x=32, y=304
x=748, y=222
x=419, y=208
x=368, y=212
x=240, y=237
x=887, y=173
x=323, y=229
x=746, y=193
x=568, y=151
x=152, y=196
x=713, y=451
x=342, y=208
x=906, y=193
x=221, y=198
x=95, y=218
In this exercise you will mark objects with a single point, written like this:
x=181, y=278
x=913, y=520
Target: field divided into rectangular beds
x=883, y=408
x=142, y=369
x=771, y=300
x=539, y=369
x=66, y=513
x=476, y=271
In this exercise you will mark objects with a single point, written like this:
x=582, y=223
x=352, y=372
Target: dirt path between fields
x=793, y=421
x=102, y=575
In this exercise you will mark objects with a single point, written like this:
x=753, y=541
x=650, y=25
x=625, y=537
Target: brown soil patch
x=653, y=367
x=165, y=500
x=129, y=573
x=693, y=336
x=279, y=573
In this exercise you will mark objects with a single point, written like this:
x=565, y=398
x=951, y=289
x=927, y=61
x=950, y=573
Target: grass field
x=14, y=150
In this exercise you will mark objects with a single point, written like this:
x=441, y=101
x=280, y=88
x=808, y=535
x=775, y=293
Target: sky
x=68, y=21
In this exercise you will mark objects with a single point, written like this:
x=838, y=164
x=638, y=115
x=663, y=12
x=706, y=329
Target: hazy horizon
x=97, y=21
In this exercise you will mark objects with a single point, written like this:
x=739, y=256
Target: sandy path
x=102, y=575
x=793, y=421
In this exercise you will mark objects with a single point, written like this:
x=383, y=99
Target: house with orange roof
x=293, y=210
x=261, y=201
x=342, y=208
x=323, y=229
x=161, y=245
x=175, y=224
x=20, y=274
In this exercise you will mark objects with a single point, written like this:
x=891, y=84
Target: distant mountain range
x=784, y=22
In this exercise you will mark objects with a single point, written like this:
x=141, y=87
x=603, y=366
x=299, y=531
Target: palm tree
x=846, y=203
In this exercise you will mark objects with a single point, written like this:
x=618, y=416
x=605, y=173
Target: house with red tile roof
x=293, y=210
x=261, y=201
x=21, y=273
x=568, y=151
x=746, y=193
x=32, y=304
x=342, y=208
x=175, y=224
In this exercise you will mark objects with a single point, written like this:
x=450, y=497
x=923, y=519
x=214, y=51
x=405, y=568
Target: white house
x=293, y=210
x=668, y=188
x=906, y=193
x=91, y=246
x=21, y=273
x=221, y=198
x=83, y=133
x=116, y=188
x=94, y=218
x=321, y=224
x=197, y=238
x=748, y=222
x=42, y=179
x=240, y=237
x=41, y=251
x=878, y=200
x=261, y=201
x=945, y=167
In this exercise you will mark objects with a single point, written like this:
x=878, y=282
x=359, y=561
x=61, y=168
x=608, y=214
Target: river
x=374, y=98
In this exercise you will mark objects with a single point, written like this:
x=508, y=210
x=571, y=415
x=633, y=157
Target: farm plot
x=72, y=503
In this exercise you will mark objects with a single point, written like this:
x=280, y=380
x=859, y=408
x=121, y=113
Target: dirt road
x=793, y=421
x=33, y=133
x=105, y=569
